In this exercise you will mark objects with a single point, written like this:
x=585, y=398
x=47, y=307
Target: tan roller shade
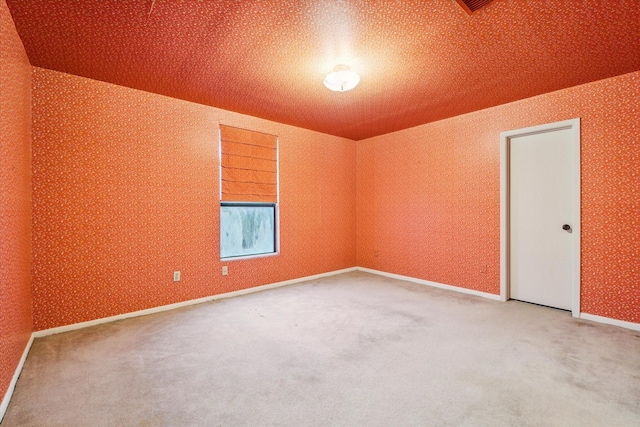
x=249, y=165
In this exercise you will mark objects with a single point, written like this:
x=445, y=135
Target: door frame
x=505, y=139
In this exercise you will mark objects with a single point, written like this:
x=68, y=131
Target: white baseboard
x=12, y=385
x=610, y=321
x=67, y=328
x=585, y=316
x=432, y=284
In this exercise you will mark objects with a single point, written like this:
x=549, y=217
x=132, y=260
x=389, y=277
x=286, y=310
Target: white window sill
x=246, y=257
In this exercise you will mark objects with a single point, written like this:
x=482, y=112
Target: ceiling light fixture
x=341, y=79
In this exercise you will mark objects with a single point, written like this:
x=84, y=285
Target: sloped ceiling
x=419, y=60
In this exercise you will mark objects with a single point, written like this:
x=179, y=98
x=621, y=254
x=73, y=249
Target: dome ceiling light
x=341, y=79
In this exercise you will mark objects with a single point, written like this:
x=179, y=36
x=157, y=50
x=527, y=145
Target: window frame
x=276, y=230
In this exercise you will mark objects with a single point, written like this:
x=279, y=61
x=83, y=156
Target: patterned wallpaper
x=125, y=189
x=15, y=199
x=428, y=198
x=125, y=186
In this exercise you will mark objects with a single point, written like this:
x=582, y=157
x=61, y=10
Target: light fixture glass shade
x=341, y=79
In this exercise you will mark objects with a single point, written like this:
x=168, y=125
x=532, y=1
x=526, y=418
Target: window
x=248, y=193
x=247, y=229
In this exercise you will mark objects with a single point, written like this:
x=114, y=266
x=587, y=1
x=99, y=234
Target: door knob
x=566, y=227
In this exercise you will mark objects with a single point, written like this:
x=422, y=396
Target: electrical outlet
x=176, y=276
x=225, y=270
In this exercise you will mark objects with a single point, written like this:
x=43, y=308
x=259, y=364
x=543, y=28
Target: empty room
x=319, y=213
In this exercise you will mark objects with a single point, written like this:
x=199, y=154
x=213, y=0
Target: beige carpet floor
x=348, y=350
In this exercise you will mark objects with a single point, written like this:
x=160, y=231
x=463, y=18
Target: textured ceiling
x=419, y=60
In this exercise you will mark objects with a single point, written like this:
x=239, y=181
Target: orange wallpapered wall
x=125, y=189
x=428, y=198
x=15, y=199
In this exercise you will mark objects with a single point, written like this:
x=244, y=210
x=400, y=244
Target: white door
x=541, y=217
